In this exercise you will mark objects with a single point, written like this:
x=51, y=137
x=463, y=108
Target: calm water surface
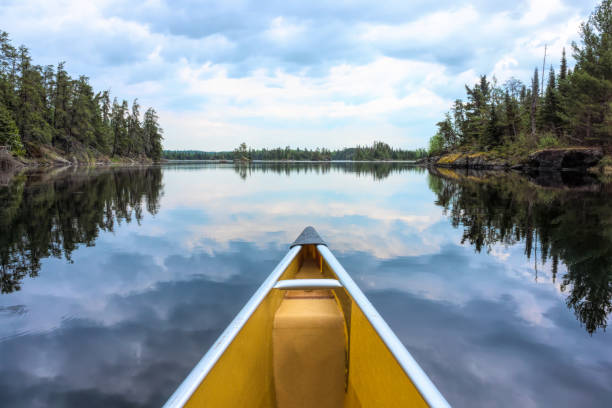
x=115, y=282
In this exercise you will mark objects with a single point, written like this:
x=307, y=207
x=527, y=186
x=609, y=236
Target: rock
x=8, y=162
x=475, y=161
x=478, y=162
x=461, y=161
x=567, y=158
x=428, y=161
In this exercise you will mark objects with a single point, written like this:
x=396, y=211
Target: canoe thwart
x=307, y=284
x=307, y=237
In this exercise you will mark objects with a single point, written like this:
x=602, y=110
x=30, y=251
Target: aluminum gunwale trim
x=419, y=378
x=199, y=372
x=307, y=284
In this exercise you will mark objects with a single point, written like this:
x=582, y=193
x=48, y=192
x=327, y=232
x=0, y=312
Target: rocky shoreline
x=571, y=158
x=46, y=156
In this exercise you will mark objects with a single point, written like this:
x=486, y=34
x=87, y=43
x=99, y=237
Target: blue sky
x=297, y=73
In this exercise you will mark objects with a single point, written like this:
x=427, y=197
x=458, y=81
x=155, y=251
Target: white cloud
x=273, y=75
x=431, y=28
x=282, y=31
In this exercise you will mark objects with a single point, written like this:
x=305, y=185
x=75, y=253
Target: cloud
x=293, y=73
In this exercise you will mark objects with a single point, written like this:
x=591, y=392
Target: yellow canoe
x=307, y=338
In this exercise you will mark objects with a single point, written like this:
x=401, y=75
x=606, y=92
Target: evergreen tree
x=103, y=130
x=60, y=106
x=459, y=121
x=477, y=109
x=563, y=88
x=447, y=132
x=135, y=134
x=551, y=106
x=535, y=92
x=591, y=81
x=512, y=116
x=30, y=109
x=119, y=128
x=82, y=112
x=494, y=129
x=9, y=133
x=8, y=70
x=563, y=69
x=153, y=133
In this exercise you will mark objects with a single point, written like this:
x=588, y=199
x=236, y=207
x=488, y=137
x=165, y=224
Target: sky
x=303, y=74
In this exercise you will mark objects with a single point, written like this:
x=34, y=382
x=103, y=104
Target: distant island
x=378, y=151
x=565, y=122
x=47, y=117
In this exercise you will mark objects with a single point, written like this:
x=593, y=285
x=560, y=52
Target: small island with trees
x=49, y=118
x=563, y=122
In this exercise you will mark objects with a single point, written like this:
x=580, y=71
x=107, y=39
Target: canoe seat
x=308, y=346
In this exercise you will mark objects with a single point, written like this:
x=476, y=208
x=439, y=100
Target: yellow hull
x=272, y=360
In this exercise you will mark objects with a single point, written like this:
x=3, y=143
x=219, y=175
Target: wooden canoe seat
x=308, y=346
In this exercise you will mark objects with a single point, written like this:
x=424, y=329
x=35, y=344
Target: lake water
x=115, y=282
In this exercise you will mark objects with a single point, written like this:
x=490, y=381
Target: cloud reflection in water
x=126, y=321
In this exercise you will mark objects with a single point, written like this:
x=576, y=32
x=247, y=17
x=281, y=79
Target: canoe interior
x=244, y=376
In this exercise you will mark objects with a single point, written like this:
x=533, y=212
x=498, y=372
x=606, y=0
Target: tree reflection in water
x=44, y=215
x=571, y=225
x=49, y=213
x=377, y=170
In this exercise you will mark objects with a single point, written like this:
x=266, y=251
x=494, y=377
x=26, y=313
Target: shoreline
x=53, y=159
x=577, y=159
x=284, y=161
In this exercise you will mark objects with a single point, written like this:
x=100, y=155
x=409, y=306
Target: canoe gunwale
x=182, y=394
x=413, y=370
x=419, y=378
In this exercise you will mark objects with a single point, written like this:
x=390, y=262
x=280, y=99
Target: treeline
x=574, y=108
x=378, y=151
x=45, y=106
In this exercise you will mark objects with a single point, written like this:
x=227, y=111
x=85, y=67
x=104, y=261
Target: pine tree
x=512, y=116
x=591, y=81
x=494, y=129
x=550, y=107
x=477, y=110
x=119, y=128
x=102, y=126
x=60, y=106
x=82, y=112
x=447, y=132
x=563, y=69
x=535, y=91
x=153, y=134
x=135, y=134
x=9, y=133
x=30, y=110
x=563, y=87
x=459, y=121
x=8, y=70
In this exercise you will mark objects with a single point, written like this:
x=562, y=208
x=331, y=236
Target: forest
x=378, y=151
x=571, y=107
x=44, y=106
